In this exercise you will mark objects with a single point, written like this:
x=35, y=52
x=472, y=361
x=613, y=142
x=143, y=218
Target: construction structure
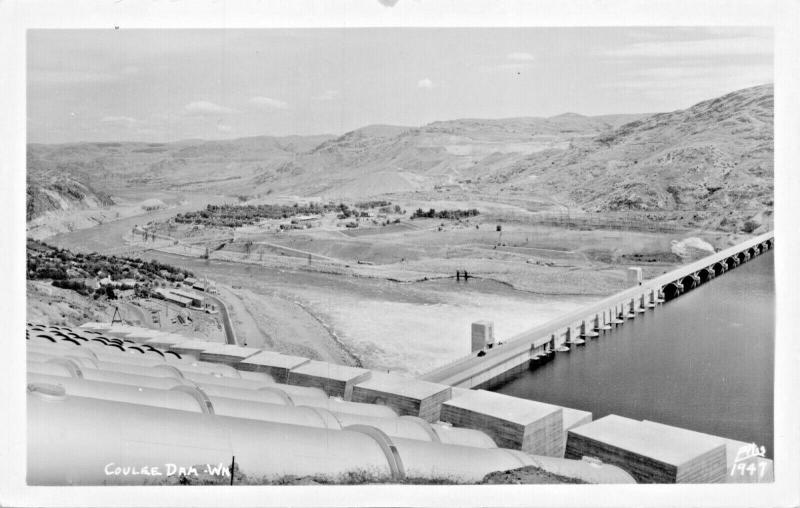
x=92, y=390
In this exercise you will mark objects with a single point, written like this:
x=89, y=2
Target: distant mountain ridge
x=716, y=154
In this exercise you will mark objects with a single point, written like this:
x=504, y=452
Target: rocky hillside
x=62, y=193
x=368, y=161
x=714, y=156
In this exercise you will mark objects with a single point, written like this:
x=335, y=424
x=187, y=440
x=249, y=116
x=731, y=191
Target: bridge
x=514, y=355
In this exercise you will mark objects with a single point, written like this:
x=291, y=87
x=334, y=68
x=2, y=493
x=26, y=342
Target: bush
x=750, y=226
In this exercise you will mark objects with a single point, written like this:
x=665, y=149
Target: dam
x=505, y=362
x=703, y=362
x=111, y=385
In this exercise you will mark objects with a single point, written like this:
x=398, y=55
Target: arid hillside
x=715, y=156
x=62, y=193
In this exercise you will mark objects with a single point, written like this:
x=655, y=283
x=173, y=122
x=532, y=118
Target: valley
x=563, y=206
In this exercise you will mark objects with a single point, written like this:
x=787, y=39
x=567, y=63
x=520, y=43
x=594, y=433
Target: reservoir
x=703, y=361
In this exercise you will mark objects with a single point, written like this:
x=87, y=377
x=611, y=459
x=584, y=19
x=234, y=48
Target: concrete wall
x=333, y=385
x=512, y=423
x=473, y=371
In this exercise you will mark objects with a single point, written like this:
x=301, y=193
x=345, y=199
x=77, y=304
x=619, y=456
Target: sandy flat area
x=417, y=337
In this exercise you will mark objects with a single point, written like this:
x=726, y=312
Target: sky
x=167, y=85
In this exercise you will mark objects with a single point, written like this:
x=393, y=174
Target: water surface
x=703, y=361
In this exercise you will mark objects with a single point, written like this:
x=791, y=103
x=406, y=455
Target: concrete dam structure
x=132, y=396
x=105, y=396
x=501, y=363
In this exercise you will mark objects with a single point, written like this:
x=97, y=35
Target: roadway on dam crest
x=472, y=371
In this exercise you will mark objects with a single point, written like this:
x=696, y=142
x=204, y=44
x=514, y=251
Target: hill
x=714, y=156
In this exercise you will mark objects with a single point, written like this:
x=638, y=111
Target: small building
x=195, y=299
x=171, y=297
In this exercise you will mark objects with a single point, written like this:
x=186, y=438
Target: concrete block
x=634, y=276
x=335, y=380
x=406, y=395
x=482, y=334
x=762, y=471
x=275, y=364
x=520, y=424
x=572, y=418
x=650, y=455
x=192, y=347
x=228, y=354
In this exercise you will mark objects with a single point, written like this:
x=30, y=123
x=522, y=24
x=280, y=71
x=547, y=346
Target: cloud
x=388, y=3
x=327, y=95
x=701, y=48
x=520, y=57
x=201, y=108
x=425, y=83
x=119, y=120
x=268, y=103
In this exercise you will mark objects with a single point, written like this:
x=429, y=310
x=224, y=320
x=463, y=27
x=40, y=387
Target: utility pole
x=117, y=317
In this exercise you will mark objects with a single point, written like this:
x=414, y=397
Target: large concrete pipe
x=80, y=441
x=208, y=368
x=298, y=396
x=116, y=356
x=460, y=436
x=67, y=368
x=233, y=392
x=394, y=427
x=225, y=381
x=345, y=406
x=60, y=349
x=272, y=395
x=82, y=362
x=160, y=370
x=591, y=472
x=171, y=399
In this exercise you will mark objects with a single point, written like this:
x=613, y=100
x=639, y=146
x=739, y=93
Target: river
x=704, y=361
